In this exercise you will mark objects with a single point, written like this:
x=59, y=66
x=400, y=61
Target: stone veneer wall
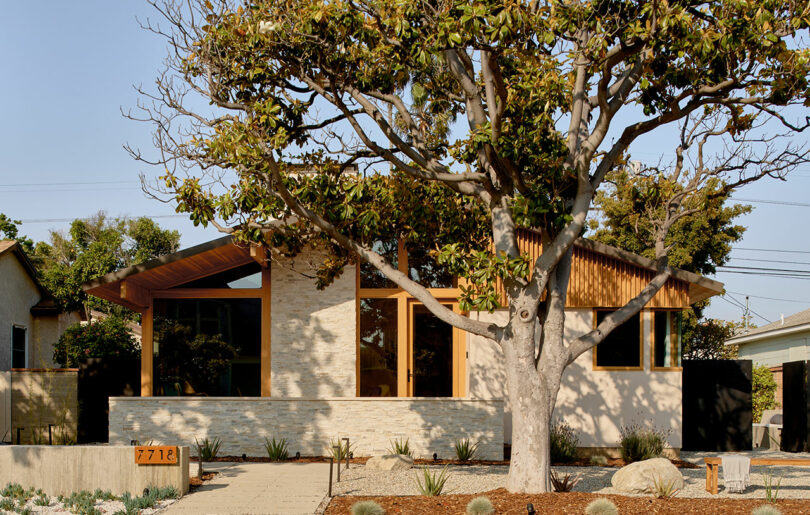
x=431, y=424
x=313, y=332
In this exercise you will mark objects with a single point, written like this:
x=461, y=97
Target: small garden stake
x=347, y=453
x=337, y=449
x=331, y=462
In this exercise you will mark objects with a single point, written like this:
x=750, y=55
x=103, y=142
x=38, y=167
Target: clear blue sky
x=68, y=68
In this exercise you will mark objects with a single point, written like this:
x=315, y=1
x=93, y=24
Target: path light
x=298, y=455
x=530, y=509
x=435, y=456
x=244, y=456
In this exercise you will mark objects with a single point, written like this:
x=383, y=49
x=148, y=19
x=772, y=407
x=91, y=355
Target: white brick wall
x=314, y=335
x=431, y=424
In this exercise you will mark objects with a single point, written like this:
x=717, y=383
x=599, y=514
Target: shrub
x=601, y=506
x=600, y=460
x=42, y=500
x=480, y=506
x=766, y=509
x=771, y=489
x=639, y=443
x=367, y=508
x=763, y=388
x=465, y=449
x=342, y=450
x=108, y=338
x=276, y=449
x=432, y=483
x=6, y=505
x=563, y=443
x=664, y=489
x=565, y=483
x=207, y=450
x=401, y=447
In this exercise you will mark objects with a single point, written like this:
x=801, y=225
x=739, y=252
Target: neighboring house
x=362, y=359
x=783, y=341
x=30, y=321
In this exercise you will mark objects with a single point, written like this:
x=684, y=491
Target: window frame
x=653, y=367
x=640, y=367
x=25, y=346
x=404, y=330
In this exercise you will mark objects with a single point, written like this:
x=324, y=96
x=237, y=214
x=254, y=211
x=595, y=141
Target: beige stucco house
x=783, y=341
x=30, y=321
x=242, y=347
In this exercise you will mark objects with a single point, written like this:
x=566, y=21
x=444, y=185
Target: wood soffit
x=131, y=286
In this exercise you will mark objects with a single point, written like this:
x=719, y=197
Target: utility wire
x=765, y=269
x=50, y=220
x=776, y=202
x=769, y=298
x=774, y=250
x=772, y=261
x=748, y=308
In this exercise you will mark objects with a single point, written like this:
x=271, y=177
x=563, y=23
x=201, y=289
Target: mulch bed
x=560, y=503
x=194, y=482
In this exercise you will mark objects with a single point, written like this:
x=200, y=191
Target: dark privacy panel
x=796, y=406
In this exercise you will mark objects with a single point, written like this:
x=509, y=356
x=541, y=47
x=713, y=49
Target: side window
x=667, y=339
x=18, y=357
x=622, y=347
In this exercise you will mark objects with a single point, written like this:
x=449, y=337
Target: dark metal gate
x=100, y=379
x=796, y=406
x=717, y=405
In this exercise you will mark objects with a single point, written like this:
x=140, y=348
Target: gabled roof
x=792, y=324
x=46, y=305
x=130, y=285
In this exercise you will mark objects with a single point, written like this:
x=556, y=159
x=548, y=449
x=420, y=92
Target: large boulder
x=390, y=462
x=640, y=477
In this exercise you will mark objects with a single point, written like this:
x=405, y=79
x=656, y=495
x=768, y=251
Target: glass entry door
x=432, y=350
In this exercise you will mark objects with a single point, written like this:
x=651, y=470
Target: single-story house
x=783, y=341
x=243, y=348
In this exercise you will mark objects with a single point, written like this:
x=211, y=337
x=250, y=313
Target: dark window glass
x=245, y=276
x=424, y=269
x=432, y=355
x=207, y=347
x=378, y=347
x=370, y=277
x=17, y=347
x=622, y=347
x=667, y=339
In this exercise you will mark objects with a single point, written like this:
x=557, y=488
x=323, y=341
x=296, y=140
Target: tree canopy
x=345, y=123
x=96, y=246
x=9, y=230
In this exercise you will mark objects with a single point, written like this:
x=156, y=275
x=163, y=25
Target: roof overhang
x=131, y=286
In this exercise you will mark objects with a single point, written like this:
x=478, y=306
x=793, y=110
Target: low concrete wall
x=243, y=423
x=62, y=470
x=44, y=396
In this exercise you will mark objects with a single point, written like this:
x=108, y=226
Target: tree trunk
x=530, y=468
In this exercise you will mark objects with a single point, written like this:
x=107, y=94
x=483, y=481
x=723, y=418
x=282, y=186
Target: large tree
x=96, y=246
x=467, y=121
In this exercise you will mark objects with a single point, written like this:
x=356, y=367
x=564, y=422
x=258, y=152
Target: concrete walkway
x=257, y=488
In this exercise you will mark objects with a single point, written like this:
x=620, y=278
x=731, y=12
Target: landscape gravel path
x=465, y=479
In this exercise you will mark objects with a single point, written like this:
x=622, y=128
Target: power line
x=749, y=309
x=766, y=269
x=774, y=250
x=769, y=298
x=21, y=184
x=768, y=274
x=777, y=202
x=772, y=261
x=51, y=220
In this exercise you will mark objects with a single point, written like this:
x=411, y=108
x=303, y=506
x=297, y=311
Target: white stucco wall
x=772, y=352
x=313, y=332
x=17, y=294
x=595, y=403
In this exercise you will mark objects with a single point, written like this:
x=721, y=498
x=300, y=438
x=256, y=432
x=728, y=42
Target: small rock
x=640, y=477
x=390, y=462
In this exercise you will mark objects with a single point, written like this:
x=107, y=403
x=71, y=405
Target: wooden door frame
x=458, y=352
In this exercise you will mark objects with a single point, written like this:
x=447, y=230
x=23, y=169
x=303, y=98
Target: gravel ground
x=795, y=481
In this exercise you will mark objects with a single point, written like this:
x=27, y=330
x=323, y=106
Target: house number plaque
x=155, y=455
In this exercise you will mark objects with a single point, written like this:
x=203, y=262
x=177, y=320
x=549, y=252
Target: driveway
x=262, y=488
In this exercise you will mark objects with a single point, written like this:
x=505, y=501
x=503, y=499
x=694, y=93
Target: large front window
x=621, y=349
x=208, y=347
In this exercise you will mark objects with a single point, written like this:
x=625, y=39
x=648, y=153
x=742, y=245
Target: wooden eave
x=132, y=286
